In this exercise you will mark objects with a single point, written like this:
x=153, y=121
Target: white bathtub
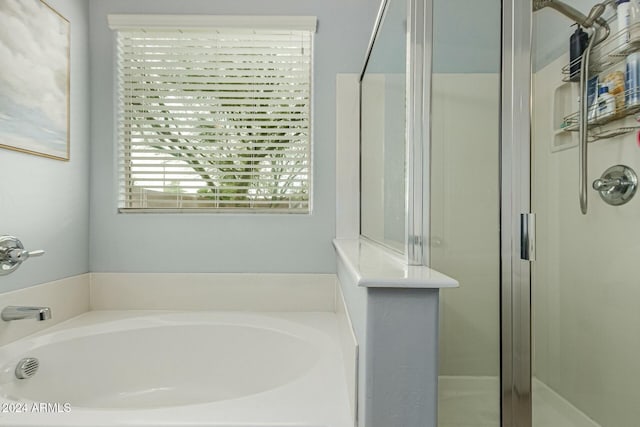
x=179, y=369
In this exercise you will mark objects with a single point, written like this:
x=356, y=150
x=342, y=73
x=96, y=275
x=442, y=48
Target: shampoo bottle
x=634, y=23
x=623, y=13
x=577, y=45
x=632, y=80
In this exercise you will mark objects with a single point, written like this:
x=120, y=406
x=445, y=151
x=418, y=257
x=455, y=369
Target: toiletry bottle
x=632, y=80
x=606, y=104
x=615, y=81
x=634, y=23
x=592, y=100
x=577, y=44
x=623, y=13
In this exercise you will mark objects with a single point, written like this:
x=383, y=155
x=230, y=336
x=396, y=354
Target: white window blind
x=216, y=119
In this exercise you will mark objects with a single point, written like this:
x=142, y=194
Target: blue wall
x=214, y=242
x=465, y=36
x=45, y=202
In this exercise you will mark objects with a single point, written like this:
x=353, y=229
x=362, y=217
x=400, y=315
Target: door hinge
x=528, y=236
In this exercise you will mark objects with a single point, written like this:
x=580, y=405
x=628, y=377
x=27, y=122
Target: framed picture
x=34, y=79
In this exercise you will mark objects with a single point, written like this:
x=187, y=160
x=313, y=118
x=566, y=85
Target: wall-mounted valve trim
x=617, y=185
x=13, y=254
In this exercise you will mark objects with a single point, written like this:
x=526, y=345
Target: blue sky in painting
x=19, y=122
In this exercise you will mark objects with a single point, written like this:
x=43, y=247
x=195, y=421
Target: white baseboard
x=203, y=291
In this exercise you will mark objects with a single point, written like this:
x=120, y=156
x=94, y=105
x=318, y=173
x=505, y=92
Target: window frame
x=208, y=22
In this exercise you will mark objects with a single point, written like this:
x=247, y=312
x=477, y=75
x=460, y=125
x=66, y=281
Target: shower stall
x=577, y=168
x=529, y=204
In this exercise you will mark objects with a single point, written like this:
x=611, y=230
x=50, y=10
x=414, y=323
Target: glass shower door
x=465, y=208
x=585, y=286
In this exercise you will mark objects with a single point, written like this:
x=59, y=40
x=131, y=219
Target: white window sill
x=372, y=266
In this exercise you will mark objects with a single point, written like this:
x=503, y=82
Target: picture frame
x=35, y=79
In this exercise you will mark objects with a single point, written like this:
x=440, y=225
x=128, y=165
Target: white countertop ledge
x=375, y=267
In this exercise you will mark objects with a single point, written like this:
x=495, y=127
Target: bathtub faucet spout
x=13, y=312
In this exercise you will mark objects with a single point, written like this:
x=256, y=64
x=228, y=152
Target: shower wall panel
x=465, y=215
x=585, y=287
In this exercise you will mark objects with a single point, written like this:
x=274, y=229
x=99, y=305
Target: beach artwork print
x=34, y=79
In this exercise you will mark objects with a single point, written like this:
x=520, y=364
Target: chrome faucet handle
x=20, y=255
x=604, y=184
x=13, y=254
x=617, y=185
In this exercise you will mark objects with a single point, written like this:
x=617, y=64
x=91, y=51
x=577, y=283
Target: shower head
x=595, y=15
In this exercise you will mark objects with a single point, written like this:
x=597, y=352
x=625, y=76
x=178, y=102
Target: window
x=215, y=117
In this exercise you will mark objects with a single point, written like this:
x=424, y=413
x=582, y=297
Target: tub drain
x=27, y=368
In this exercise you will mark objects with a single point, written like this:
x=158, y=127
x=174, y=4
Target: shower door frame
x=515, y=177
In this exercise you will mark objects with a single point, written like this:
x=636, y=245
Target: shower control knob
x=607, y=184
x=617, y=185
x=13, y=254
x=20, y=255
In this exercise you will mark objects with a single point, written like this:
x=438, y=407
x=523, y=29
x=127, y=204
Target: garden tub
x=123, y=368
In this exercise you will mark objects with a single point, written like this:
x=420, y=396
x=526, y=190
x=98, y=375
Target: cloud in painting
x=33, y=48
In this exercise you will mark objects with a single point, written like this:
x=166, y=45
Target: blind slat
x=188, y=82
x=231, y=168
x=173, y=95
x=222, y=126
x=211, y=155
x=203, y=89
x=159, y=176
x=212, y=108
x=230, y=59
x=238, y=200
x=233, y=141
x=173, y=42
x=185, y=118
x=225, y=127
x=182, y=75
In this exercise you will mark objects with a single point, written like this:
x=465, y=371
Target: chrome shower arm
x=568, y=11
x=595, y=14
